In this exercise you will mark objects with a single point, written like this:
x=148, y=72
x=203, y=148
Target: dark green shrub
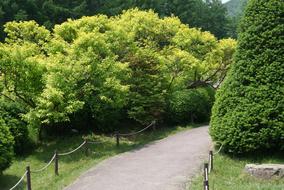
x=9, y=112
x=191, y=105
x=20, y=133
x=248, y=113
x=6, y=146
x=106, y=121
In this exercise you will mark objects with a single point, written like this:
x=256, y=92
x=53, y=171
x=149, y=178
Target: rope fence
x=55, y=157
x=208, y=167
x=43, y=168
x=22, y=178
x=219, y=149
x=72, y=151
x=140, y=131
x=118, y=135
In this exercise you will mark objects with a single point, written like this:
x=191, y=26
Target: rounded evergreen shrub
x=6, y=146
x=248, y=112
x=191, y=105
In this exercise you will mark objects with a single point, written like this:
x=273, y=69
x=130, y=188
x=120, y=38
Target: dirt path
x=166, y=164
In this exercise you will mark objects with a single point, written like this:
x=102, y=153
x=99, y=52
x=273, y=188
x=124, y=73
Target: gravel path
x=166, y=164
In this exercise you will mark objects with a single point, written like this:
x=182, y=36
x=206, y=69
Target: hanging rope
x=137, y=132
x=18, y=181
x=72, y=151
x=39, y=170
x=218, y=150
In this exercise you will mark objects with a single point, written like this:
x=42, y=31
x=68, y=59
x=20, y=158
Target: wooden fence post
x=56, y=163
x=29, y=184
x=211, y=160
x=86, y=148
x=206, y=180
x=154, y=126
x=117, y=138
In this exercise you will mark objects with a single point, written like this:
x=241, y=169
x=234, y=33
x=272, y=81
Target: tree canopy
x=91, y=70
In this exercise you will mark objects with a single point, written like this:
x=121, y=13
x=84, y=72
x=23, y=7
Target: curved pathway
x=166, y=164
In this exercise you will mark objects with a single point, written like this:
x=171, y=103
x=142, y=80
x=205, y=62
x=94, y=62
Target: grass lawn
x=71, y=166
x=228, y=174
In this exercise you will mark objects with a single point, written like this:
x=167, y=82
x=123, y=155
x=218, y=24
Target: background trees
x=210, y=15
x=248, y=112
x=235, y=12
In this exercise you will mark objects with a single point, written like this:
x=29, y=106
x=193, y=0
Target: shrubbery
x=248, y=114
x=10, y=112
x=6, y=146
x=20, y=134
x=191, y=105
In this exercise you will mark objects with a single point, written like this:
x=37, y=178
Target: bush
x=19, y=130
x=191, y=105
x=20, y=133
x=6, y=146
x=248, y=113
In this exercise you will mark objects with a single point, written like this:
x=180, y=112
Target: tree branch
x=7, y=97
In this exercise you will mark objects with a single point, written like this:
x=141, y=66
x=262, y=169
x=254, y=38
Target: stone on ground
x=265, y=171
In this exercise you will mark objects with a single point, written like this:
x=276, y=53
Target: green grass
x=70, y=167
x=228, y=174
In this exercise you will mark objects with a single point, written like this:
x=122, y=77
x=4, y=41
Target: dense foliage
x=97, y=71
x=191, y=105
x=248, y=114
x=6, y=146
x=10, y=114
x=210, y=15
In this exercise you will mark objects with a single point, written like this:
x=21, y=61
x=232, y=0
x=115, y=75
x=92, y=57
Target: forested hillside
x=235, y=10
x=209, y=15
x=235, y=7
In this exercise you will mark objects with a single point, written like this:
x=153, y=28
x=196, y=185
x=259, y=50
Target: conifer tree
x=248, y=114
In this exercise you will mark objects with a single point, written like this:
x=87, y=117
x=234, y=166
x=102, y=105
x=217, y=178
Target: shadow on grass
x=7, y=180
x=273, y=156
x=262, y=157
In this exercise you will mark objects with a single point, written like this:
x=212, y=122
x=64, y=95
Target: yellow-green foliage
x=248, y=114
x=95, y=69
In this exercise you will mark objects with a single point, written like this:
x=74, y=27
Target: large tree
x=248, y=114
x=89, y=71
